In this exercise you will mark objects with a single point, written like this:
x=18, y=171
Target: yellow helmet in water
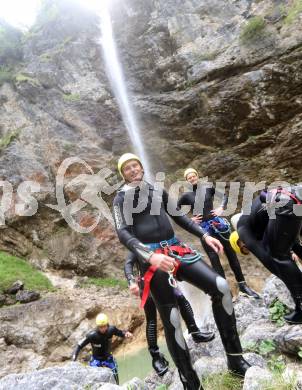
x=189, y=170
x=101, y=320
x=125, y=158
x=234, y=237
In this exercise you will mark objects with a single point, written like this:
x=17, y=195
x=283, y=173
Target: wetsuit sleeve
x=125, y=233
x=80, y=346
x=248, y=237
x=183, y=200
x=118, y=332
x=182, y=220
x=128, y=268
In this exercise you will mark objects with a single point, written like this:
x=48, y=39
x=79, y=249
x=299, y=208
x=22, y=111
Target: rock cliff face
x=215, y=84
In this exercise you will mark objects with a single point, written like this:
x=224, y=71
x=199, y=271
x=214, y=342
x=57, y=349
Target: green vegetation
x=277, y=311
x=13, y=268
x=264, y=348
x=8, y=138
x=276, y=364
x=105, y=282
x=222, y=381
x=22, y=78
x=300, y=353
x=253, y=30
x=292, y=12
x=162, y=387
x=71, y=97
x=6, y=75
x=280, y=383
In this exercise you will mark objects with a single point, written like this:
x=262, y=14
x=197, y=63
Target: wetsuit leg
x=214, y=258
x=281, y=235
x=233, y=260
x=165, y=300
x=205, y=278
x=151, y=324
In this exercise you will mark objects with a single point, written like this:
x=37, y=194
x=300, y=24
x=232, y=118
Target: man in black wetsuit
x=209, y=219
x=142, y=224
x=159, y=362
x=273, y=237
x=100, y=340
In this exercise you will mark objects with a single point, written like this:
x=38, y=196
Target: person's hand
x=163, y=262
x=73, y=358
x=128, y=335
x=214, y=244
x=295, y=257
x=134, y=289
x=217, y=212
x=197, y=219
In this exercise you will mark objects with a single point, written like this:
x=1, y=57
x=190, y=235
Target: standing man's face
x=132, y=171
x=192, y=178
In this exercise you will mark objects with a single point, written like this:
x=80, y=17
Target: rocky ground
x=42, y=333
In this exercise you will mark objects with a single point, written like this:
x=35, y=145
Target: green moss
x=293, y=11
x=13, y=268
x=6, y=75
x=253, y=30
x=8, y=138
x=22, y=78
x=222, y=381
x=71, y=97
x=105, y=282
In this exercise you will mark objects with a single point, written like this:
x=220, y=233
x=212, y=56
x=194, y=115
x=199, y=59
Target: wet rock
x=255, y=378
x=72, y=375
x=289, y=339
x=15, y=287
x=26, y=296
x=248, y=310
x=276, y=289
x=2, y=299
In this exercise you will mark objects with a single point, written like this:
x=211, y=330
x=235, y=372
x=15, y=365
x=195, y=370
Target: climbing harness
x=217, y=225
x=182, y=253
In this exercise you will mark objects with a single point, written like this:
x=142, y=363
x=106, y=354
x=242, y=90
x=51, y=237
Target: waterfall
x=117, y=80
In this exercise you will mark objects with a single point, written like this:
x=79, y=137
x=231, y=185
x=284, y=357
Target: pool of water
x=138, y=364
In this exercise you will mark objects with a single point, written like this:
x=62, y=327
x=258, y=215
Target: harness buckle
x=164, y=244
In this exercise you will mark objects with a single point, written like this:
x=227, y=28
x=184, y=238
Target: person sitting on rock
x=159, y=363
x=271, y=233
x=100, y=340
x=141, y=214
x=200, y=199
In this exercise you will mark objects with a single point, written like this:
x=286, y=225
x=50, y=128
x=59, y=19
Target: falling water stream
x=117, y=80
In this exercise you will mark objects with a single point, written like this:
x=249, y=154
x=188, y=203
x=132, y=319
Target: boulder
x=15, y=287
x=26, y=296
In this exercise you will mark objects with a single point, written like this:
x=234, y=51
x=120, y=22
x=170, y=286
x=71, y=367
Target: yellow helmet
x=234, y=237
x=189, y=170
x=101, y=319
x=125, y=158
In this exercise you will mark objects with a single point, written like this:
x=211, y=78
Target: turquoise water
x=138, y=364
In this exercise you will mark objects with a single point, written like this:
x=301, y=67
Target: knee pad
x=224, y=288
x=175, y=321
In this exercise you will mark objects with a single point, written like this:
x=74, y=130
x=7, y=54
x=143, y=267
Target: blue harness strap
x=157, y=245
x=217, y=225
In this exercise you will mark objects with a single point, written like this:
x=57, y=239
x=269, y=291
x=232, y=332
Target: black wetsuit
x=185, y=308
x=100, y=342
x=151, y=224
x=271, y=240
x=200, y=199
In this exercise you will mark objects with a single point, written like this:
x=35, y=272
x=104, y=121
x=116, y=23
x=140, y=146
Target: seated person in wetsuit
x=159, y=362
x=273, y=238
x=201, y=200
x=100, y=340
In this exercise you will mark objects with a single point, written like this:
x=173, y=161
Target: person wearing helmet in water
x=141, y=214
x=273, y=239
x=201, y=199
x=136, y=287
x=100, y=340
